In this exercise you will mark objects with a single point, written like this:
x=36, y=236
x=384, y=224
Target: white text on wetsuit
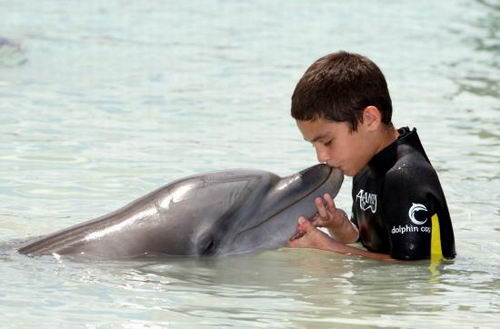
x=367, y=200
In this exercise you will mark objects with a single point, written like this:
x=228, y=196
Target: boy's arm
x=311, y=237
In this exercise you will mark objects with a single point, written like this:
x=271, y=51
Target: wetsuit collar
x=387, y=157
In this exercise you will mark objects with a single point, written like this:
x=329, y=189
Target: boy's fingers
x=316, y=220
x=305, y=226
x=297, y=235
x=321, y=207
x=329, y=201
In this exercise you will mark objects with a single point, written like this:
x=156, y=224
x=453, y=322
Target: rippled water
x=101, y=102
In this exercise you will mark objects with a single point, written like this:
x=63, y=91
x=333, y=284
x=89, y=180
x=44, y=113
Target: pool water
x=102, y=102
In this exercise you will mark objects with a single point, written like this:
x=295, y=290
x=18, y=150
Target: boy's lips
x=336, y=166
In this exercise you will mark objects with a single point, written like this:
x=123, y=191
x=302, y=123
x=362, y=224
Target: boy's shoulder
x=410, y=158
x=399, y=169
x=411, y=168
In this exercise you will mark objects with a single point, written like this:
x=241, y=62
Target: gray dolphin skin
x=213, y=214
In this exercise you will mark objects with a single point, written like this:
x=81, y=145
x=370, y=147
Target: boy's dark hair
x=338, y=87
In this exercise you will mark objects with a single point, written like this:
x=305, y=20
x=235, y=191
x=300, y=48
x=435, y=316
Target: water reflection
x=481, y=64
x=300, y=285
x=474, y=108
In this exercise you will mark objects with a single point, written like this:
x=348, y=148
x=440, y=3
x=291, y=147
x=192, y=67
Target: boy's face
x=337, y=146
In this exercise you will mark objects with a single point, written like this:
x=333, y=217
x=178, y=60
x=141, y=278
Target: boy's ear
x=371, y=117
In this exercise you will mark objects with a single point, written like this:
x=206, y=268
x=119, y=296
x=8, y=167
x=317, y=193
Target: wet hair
x=338, y=87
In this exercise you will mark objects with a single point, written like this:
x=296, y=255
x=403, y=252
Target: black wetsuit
x=398, y=203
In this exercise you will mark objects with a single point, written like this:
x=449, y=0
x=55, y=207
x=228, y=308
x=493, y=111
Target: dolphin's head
x=272, y=221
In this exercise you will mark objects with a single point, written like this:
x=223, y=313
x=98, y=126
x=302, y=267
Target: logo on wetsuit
x=420, y=220
x=416, y=207
x=367, y=200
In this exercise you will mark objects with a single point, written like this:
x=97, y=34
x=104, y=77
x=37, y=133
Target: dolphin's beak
x=335, y=179
x=324, y=174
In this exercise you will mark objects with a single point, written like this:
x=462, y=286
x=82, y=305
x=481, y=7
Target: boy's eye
x=328, y=143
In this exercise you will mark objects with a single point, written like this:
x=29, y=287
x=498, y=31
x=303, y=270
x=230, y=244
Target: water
x=106, y=101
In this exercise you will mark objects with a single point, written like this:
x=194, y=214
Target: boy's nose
x=322, y=155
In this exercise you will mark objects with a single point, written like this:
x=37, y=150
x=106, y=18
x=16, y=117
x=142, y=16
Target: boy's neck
x=388, y=135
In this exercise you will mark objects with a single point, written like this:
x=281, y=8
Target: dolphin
x=212, y=214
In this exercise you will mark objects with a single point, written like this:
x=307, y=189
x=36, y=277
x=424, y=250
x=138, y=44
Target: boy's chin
x=347, y=172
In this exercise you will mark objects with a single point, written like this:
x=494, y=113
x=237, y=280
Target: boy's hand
x=328, y=215
x=335, y=220
x=308, y=236
x=311, y=237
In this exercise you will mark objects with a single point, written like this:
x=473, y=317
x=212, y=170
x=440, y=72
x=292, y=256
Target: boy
x=342, y=106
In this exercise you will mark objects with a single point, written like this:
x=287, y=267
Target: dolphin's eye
x=207, y=247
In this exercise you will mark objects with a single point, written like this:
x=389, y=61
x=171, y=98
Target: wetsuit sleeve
x=410, y=200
